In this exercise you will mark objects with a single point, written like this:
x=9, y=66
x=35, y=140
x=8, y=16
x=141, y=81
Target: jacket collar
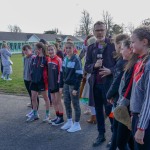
x=107, y=41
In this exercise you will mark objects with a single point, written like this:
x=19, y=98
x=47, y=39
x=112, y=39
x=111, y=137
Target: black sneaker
x=99, y=140
x=53, y=120
x=59, y=121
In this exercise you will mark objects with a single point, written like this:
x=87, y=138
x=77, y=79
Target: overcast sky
x=37, y=16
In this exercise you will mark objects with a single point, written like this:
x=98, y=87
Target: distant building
x=17, y=40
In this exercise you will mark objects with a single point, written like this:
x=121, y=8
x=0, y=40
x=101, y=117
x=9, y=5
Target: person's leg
x=60, y=119
x=108, y=111
x=59, y=104
x=49, y=96
x=7, y=76
x=4, y=72
x=34, y=115
x=113, y=145
x=93, y=115
x=93, y=112
x=34, y=99
x=131, y=142
x=53, y=98
x=123, y=136
x=27, y=85
x=47, y=102
x=76, y=106
x=1, y=67
x=99, y=102
x=67, y=102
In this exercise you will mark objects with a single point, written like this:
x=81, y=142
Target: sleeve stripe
x=79, y=71
x=145, y=112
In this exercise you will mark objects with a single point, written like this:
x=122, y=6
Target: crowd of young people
x=118, y=76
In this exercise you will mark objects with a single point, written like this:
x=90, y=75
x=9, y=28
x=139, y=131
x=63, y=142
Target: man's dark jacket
x=108, y=62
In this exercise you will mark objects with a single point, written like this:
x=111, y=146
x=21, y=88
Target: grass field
x=15, y=86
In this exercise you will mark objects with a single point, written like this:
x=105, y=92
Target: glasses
x=68, y=47
x=102, y=30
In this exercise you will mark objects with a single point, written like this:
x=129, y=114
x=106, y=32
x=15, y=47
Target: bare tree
x=85, y=24
x=14, y=28
x=108, y=20
x=146, y=22
x=116, y=29
x=130, y=28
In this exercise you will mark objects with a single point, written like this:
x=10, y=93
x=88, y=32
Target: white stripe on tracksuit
x=144, y=119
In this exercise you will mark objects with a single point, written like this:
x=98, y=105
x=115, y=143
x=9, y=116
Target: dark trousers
x=101, y=102
x=49, y=96
x=146, y=145
x=121, y=137
x=1, y=67
x=27, y=85
x=68, y=98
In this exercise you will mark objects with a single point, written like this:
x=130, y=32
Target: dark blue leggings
x=121, y=137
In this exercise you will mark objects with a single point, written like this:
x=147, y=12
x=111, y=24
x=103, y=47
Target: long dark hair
x=117, y=39
x=134, y=57
x=43, y=47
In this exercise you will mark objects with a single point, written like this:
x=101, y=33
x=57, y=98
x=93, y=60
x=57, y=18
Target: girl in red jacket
x=54, y=65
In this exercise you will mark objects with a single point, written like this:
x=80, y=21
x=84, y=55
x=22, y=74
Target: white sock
x=76, y=123
x=69, y=120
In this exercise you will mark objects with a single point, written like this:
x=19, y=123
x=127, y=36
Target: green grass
x=16, y=86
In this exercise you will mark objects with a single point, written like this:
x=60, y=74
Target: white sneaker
x=67, y=125
x=2, y=77
x=29, y=114
x=9, y=79
x=46, y=119
x=75, y=127
x=32, y=118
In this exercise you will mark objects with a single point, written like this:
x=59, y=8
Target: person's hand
x=104, y=72
x=74, y=92
x=98, y=63
x=111, y=101
x=60, y=90
x=139, y=136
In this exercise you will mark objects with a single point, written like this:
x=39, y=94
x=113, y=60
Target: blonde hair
x=52, y=45
x=4, y=44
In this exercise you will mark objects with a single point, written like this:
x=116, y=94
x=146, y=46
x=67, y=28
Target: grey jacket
x=140, y=97
x=27, y=68
x=5, y=56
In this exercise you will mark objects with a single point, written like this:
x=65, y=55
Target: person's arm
x=8, y=53
x=113, y=90
x=79, y=74
x=59, y=68
x=144, y=118
x=61, y=83
x=89, y=64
